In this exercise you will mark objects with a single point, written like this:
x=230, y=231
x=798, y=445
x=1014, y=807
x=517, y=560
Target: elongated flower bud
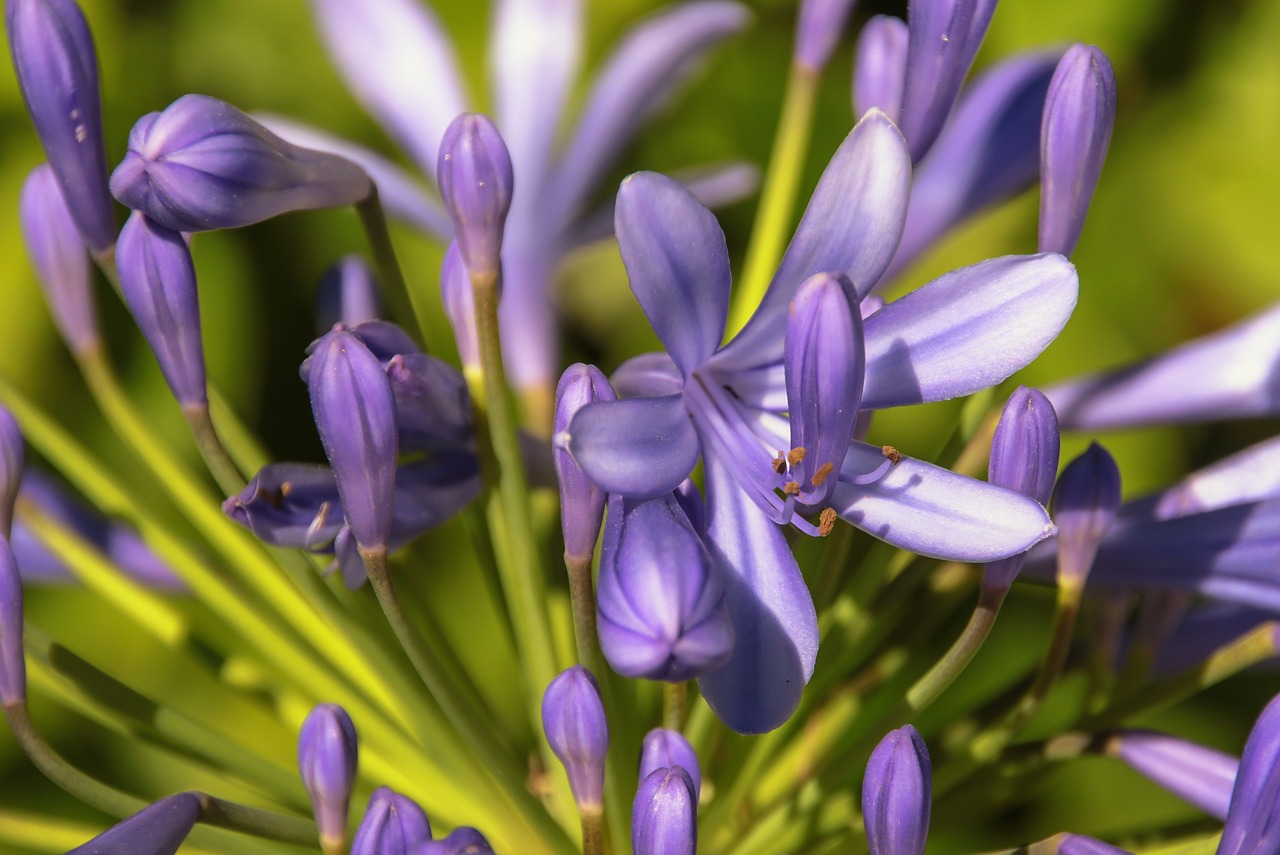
x=12, y=459
x=61, y=260
x=202, y=164
x=825, y=365
x=348, y=294
x=896, y=793
x=880, y=66
x=157, y=829
x=327, y=755
x=1084, y=506
x=1079, y=114
x=474, y=175
x=460, y=306
x=1253, y=820
x=661, y=748
x=1024, y=457
x=393, y=825
x=581, y=501
x=1192, y=772
x=158, y=279
x=661, y=595
x=57, y=71
x=355, y=413
x=664, y=818
x=573, y=720
x=460, y=841
x=13, y=667
x=818, y=31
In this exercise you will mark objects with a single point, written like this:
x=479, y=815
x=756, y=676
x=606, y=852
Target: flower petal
x=637, y=447
x=935, y=512
x=1251, y=825
x=966, y=330
x=678, y=265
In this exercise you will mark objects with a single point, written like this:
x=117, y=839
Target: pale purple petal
x=880, y=66
x=1230, y=374
x=643, y=72
x=967, y=330
x=157, y=829
x=347, y=294
x=400, y=64
x=635, y=447
x=648, y=375
x=1246, y=476
x=1192, y=772
x=818, y=31
x=774, y=622
x=851, y=226
x=988, y=152
x=935, y=512
x=402, y=196
x=678, y=264
x=1253, y=826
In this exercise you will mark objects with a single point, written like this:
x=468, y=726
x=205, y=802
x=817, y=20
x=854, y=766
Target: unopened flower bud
x=57, y=72
x=661, y=594
x=355, y=413
x=1084, y=506
x=460, y=306
x=574, y=722
x=664, y=818
x=896, y=793
x=61, y=259
x=12, y=460
x=461, y=841
x=157, y=829
x=1079, y=114
x=327, y=754
x=393, y=825
x=880, y=66
x=433, y=406
x=13, y=667
x=348, y=294
x=581, y=501
x=158, y=279
x=1192, y=772
x=474, y=176
x=202, y=164
x=663, y=747
x=1255, y=806
x=818, y=31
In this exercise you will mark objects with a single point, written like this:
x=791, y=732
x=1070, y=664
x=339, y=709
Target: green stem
x=224, y=470
x=592, y=832
x=777, y=198
x=927, y=689
x=675, y=697
x=396, y=289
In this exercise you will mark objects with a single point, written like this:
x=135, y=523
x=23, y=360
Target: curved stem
x=224, y=470
x=396, y=289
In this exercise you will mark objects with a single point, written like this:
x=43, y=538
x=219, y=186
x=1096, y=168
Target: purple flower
x=348, y=295
x=474, y=175
x=461, y=841
x=880, y=66
x=57, y=70
x=1253, y=819
x=398, y=61
x=574, y=722
x=202, y=164
x=661, y=748
x=60, y=258
x=581, y=501
x=664, y=818
x=327, y=754
x=1085, y=502
x=392, y=825
x=13, y=667
x=12, y=461
x=158, y=279
x=960, y=333
x=157, y=829
x=1192, y=772
x=818, y=31
x=896, y=793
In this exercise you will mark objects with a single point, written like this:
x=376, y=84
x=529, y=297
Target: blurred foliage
x=1180, y=241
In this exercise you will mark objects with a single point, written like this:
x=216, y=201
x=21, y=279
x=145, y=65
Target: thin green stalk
x=592, y=832
x=952, y=664
x=778, y=196
x=224, y=470
x=395, y=288
x=675, y=697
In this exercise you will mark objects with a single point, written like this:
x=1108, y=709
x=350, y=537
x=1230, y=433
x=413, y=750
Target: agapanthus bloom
x=730, y=405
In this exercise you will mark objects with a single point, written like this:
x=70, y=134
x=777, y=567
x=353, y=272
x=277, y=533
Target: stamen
x=894, y=455
x=824, y=471
x=875, y=474
x=826, y=521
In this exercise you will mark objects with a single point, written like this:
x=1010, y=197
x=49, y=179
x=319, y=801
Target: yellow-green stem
x=395, y=288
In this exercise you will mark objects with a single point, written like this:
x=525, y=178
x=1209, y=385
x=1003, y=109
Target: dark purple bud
x=1253, y=820
x=1024, y=457
x=1084, y=506
x=474, y=176
x=581, y=501
x=662, y=614
x=460, y=841
x=1079, y=114
x=295, y=505
x=818, y=31
x=664, y=818
x=460, y=306
x=348, y=294
x=393, y=825
x=57, y=72
x=13, y=668
x=944, y=38
x=327, y=754
x=12, y=460
x=662, y=748
x=61, y=260
x=880, y=66
x=158, y=279
x=157, y=829
x=574, y=722
x=896, y=793
x=433, y=406
x=355, y=413
x=825, y=364
x=202, y=164
x=1192, y=772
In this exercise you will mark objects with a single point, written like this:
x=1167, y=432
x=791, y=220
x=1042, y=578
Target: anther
x=791, y=488
x=824, y=471
x=893, y=454
x=826, y=521
x=795, y=455
x=779, y=464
